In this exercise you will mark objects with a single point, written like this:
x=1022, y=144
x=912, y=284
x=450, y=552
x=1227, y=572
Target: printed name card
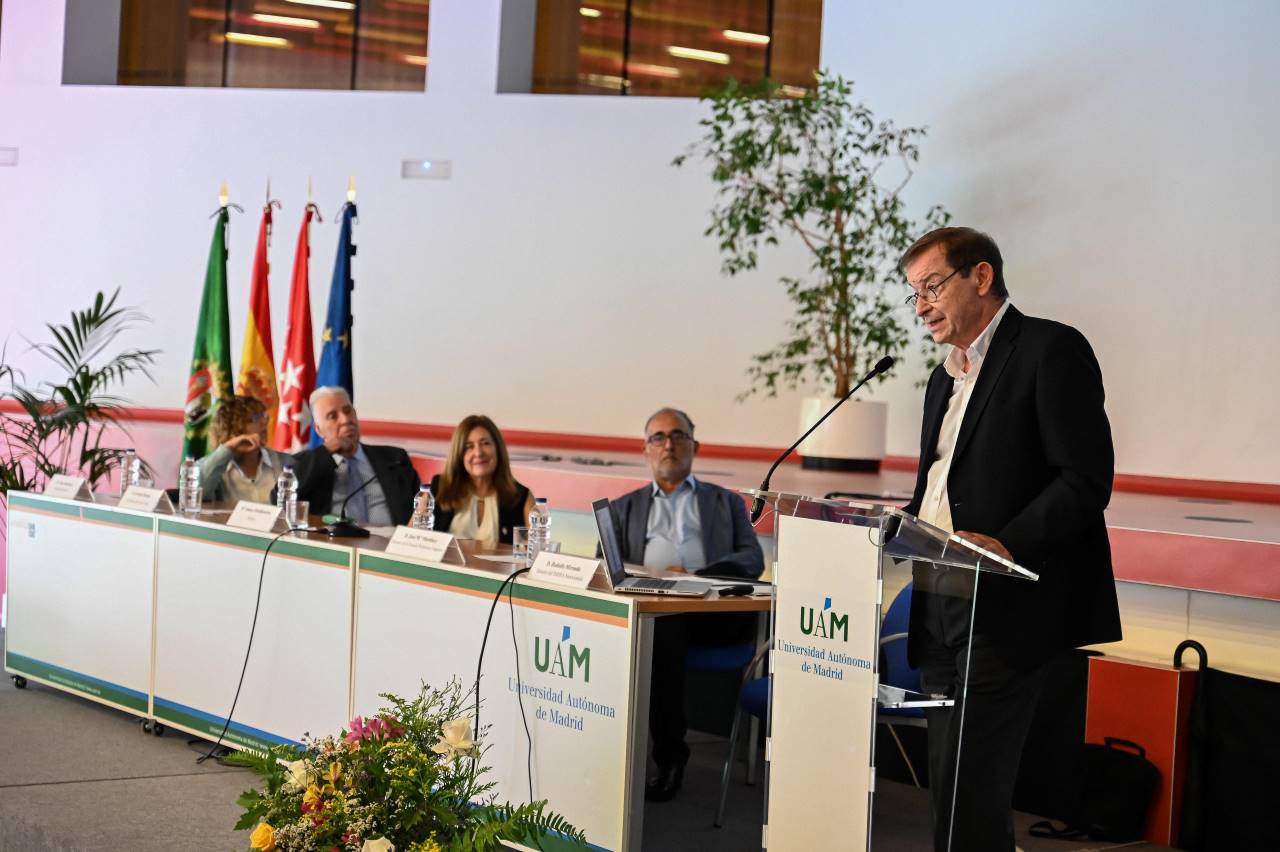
x=145, y=500
x=564, y=570
x=68, y=487
x=254, y=516
x=422, y=544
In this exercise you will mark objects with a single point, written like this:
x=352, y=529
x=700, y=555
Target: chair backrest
x=897, y=671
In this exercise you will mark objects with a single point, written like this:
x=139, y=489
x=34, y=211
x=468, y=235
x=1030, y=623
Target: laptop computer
x=616, y=573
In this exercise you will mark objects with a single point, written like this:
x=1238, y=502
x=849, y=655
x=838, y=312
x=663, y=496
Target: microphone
x=882, y=366
x=344, y=527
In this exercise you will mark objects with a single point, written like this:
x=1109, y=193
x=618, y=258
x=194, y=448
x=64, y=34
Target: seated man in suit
x=681, y=523
x=336, y=470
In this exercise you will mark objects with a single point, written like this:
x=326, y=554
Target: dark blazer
x=509, y=516
x=728, y=541
x=1032, y=467
x=399, y=480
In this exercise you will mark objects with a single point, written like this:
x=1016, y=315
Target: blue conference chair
x=896, y=671
x=753, y=697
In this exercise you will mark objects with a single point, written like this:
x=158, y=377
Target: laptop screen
x=609, y=543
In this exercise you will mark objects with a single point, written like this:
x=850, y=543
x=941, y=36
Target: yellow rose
x=263, y=837
x=380, y=844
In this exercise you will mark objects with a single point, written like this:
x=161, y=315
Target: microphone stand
x=757, y=506
x=344, y=527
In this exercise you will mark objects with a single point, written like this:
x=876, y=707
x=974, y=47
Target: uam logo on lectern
x=824, y=624
x=563, y=658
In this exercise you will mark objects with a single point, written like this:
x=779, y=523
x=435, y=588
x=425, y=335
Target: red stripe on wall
x=1226, y=566
x=1251, y=492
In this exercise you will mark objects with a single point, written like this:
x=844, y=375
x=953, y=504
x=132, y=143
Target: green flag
x=211, y=376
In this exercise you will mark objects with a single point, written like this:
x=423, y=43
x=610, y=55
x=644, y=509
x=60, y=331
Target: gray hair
x=668, y=410
x=328, y=390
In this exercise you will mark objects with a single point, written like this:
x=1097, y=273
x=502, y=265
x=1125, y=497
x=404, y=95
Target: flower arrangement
x=408, y=779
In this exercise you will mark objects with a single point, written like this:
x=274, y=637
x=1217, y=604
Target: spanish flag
x=257, y=370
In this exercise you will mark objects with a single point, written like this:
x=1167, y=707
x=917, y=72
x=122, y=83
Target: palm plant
x=62, y=425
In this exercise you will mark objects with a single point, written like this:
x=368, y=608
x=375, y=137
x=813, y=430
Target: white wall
x=1122, y=155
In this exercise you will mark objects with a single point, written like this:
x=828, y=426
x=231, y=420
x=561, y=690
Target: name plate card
x=145, y=500
x=564, y=570
x=422, y=544
x=68, y=487
x=254, y=516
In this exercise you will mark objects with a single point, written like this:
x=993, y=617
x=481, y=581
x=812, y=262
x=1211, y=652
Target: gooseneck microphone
x=344, y=527
x=882, y=366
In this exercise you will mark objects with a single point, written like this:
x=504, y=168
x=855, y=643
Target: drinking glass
x=520, y=545
x=296, y=513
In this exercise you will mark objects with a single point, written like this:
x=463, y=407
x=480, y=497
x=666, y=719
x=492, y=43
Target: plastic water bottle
x=130, y=470
x=539, y=526
x=286, y=488
x=424, y=510
x=189, y=487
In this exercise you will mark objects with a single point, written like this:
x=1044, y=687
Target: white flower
x=382, y=844
x=299, y=777
x=456, y=738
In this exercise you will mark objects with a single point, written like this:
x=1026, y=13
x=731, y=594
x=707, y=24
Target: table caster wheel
x=20, y=682
x=146, y=725
x=157, y=729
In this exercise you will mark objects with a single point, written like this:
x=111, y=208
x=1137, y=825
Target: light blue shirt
x=370, y=505
x=674, y=534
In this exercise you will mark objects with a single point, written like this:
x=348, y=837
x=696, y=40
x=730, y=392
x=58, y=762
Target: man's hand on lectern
x=986, y=542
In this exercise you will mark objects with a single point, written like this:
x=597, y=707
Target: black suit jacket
x=1032, y=467
x=728, y=541
x=399, y=480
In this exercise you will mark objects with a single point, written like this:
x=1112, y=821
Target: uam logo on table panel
x=562, y=658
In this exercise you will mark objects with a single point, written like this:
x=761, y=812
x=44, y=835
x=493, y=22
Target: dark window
x=279, y=44
x=673, y=47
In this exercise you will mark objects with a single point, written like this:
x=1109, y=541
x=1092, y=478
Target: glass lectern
x=825, y=664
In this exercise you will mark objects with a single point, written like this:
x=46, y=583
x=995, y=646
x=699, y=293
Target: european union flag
x=335, y=340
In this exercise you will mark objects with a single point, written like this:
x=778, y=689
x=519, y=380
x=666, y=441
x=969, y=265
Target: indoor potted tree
x=819, y=169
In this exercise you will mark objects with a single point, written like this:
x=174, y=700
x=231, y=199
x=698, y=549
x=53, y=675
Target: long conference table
x=151, y=613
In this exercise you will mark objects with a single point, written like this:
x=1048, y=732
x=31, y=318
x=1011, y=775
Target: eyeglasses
x=929, y=292
x=677, y=438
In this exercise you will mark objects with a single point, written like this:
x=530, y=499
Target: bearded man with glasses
x=681, y=523
x=1016, y=456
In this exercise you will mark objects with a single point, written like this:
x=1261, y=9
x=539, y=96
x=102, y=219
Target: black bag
x=1116, y=788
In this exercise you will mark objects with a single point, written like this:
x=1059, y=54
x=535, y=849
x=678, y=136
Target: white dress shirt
x=935, y=508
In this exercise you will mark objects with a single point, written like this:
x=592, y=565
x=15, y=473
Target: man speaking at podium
x=1015, y=456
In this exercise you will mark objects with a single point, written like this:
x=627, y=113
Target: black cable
x=262, y=572
x=515, y=647
x=485, y=640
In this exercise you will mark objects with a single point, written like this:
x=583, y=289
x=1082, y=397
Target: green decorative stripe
x=458, y=580
x=76, y=682
x=285, y=547
x=110, y=516
x=33, y=501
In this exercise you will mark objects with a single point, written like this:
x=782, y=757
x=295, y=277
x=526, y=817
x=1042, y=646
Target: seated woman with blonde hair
x=242, y=467
x=476, y=495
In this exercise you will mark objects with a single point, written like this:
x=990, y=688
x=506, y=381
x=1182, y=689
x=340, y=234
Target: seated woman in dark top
x=476, y=495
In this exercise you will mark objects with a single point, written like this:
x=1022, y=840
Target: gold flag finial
x=223, y=196
x=351, y=189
